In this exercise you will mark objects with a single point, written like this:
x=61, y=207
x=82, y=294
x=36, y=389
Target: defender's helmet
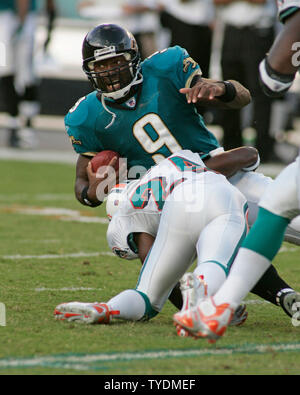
x=105, y=42
x=115, y=197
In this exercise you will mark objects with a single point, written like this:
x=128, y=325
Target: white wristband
x=254, y=166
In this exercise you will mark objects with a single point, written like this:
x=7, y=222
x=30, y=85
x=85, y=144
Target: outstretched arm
x=229, y=162
x=220, y=94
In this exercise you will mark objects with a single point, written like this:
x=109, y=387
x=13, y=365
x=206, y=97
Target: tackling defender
x=137, y=222
x=188, y=207
x=279, y=204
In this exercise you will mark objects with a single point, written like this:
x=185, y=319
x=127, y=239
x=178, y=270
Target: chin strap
x=114, y=116
x=136, y=81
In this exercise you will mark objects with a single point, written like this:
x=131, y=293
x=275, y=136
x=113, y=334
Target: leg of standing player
x=278, y=206
x=8, y=28
x=26, y=81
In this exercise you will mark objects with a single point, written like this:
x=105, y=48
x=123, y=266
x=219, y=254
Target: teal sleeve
x=84, y=141
x=186, y=68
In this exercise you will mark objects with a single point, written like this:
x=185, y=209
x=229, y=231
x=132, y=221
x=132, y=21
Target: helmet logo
x=99, y=53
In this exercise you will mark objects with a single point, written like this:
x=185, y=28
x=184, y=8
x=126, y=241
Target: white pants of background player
x=279, y=204
x=205, y=218
x=18, y=48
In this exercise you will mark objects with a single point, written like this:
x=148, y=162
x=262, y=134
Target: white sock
x=213, y=275
x=129, y=303
x=247, y=269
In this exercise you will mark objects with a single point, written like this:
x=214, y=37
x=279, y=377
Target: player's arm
x=278, y=69
x=85, y=183
x=91, y=187
x=144, y=242
x=82, y=180
x=221, y=94
x=229, y=162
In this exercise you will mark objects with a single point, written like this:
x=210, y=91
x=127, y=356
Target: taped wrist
x=273, y=83
x=85, y=199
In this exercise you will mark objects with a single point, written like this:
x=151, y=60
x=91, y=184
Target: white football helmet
x=115, y=197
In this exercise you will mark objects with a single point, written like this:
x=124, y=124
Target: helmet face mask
x=114, y=48
x=112, y=74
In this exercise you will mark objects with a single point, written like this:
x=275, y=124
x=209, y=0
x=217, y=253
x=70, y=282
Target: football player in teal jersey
x=143, y=111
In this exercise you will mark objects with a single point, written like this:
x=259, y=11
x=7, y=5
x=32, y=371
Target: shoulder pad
x=79, y=113
x=166, y=58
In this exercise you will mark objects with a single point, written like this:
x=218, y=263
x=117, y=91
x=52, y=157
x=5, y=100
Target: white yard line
x=66, y=289
x=89, y=362
x=38, y=197
x=62, y=214
x=57, y=256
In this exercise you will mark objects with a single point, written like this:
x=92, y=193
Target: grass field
x=54, y=250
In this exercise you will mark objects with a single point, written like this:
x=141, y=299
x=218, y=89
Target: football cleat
x=193, y=289
x=88, y=313
x=240, y=315
x=289, y=300
x=206, y=320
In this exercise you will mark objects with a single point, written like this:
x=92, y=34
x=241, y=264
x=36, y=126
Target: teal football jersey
x=7, y=5
x=150, y=126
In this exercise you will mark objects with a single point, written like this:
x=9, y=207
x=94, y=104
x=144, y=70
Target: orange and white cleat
x=88, y=313
x=193, y=289
x=206, y=320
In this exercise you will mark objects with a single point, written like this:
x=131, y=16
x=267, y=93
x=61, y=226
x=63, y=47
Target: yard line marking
x=71, y=289
x=58, y=256
x=288, y=249
x=62, y=214
x=256, y=301
x=42, y=197
x=90, y=361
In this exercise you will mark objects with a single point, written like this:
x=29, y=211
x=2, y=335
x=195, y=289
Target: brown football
x=103, y=158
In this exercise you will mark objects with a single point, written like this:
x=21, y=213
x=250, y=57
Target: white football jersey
x=140, y=210
x=287, y=7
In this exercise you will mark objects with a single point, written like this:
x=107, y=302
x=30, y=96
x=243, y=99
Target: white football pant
x=17, y=48
x=205, y=218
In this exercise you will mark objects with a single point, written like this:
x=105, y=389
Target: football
x=103, y=158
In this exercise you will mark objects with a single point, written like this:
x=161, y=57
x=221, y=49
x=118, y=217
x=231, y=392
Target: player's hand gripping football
x=203, y=90
x=101, y=181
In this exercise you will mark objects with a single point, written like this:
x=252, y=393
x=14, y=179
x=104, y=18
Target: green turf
x=31, y=288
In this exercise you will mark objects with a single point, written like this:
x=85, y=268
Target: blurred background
x=227, y=38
